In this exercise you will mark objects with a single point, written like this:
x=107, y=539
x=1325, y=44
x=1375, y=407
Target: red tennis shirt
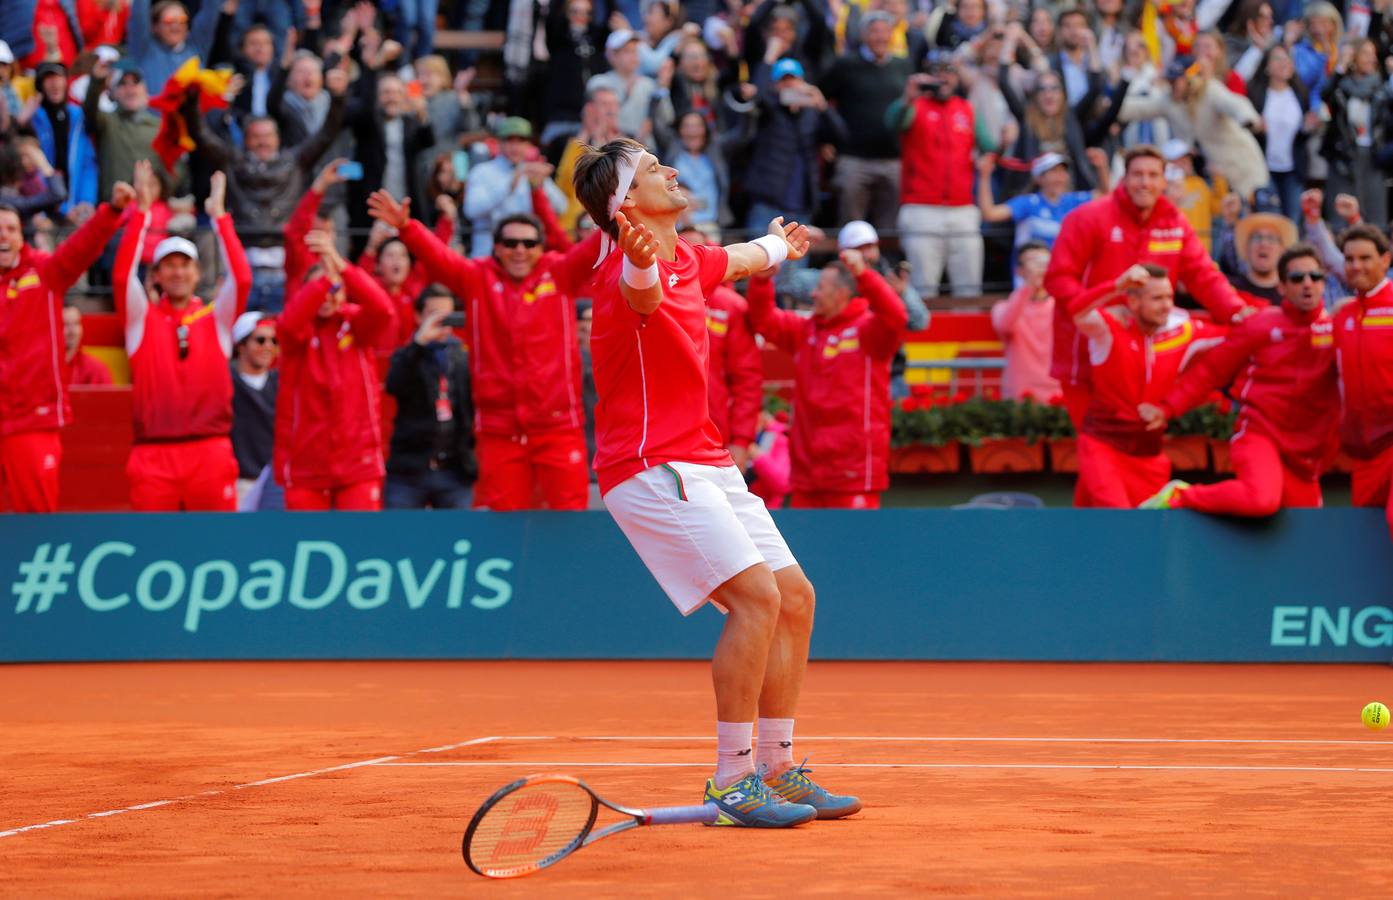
x=650, y=371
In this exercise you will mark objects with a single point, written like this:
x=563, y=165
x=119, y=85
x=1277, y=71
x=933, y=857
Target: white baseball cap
x=246, y=323
x=1046, y=161
x=175, y=245
x=6, y=54
x=856, y=234
x=107, y=53
x=1174, y=149
x=620, y=39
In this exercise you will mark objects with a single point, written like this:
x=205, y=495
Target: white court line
x=707, y=764
x=381, y=760
x=707, y=738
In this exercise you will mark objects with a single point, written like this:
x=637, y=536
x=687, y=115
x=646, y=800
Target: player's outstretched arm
x=639, y=282
x=784, y=241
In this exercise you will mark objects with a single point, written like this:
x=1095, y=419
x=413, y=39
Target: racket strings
x=530, y=825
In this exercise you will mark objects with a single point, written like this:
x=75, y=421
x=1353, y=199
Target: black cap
x=46, y=69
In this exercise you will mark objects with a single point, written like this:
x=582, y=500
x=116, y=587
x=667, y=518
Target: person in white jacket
x=1201, y=109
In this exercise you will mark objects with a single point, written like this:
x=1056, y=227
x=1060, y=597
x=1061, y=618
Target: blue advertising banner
x=1309, y=585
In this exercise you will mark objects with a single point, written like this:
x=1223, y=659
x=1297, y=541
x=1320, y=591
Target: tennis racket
x=539, y=820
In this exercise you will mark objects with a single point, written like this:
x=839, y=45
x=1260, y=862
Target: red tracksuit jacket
x=841, y=405
x=734, y=370
x=524, y=361
x=936, y=162
x=1102, y=239
x=1364, y=351
x=1281, y=362
x=186, y=394
x=328, y=420
x=33, y=396
x=1134, y=368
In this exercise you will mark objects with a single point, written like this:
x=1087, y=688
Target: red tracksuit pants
x=361, y=496
x=835, y=500
x=198, y=475
x=1263, y=483
x=1112, y=479
x=1371, y=484
x=29, y=470
x=535, y=471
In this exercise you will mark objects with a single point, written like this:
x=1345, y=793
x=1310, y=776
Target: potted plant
x=1006, y=435
x=924, y=434
x=1191, y=437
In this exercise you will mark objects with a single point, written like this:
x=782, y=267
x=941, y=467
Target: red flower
x=927, y=402
x=1027, y=397
x=921, y=390
x=1057, y=400
x=961, y=396
x=992, y=392
x=909, y=405
x=1225, y=405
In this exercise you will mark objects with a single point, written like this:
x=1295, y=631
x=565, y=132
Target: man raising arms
x=672, y=487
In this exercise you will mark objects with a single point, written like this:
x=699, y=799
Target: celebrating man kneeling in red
x=328, y=419
x=841, y=404
x=179, y=347
x=1281, y=361
x=1136, y=357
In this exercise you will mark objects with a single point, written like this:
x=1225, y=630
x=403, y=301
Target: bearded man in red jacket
x=524, y=362
x=1364, y=352
x=1134, y=225
x=33, y=397
x=841, y=405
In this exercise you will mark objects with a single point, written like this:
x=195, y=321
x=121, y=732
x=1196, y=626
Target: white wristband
x=637, y=278
x=774, y=247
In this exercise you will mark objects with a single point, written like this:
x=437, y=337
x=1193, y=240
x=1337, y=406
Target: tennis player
x=672, y=486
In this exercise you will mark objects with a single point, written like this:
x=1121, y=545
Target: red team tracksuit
x=735, y=372
x=33, y=399
x=841, y=409
x=1364, y=351
x=328, y=451
x=182, y=389
x=1281, y=362
x=1098, y=242
x=1120, y=462
x=524, y=364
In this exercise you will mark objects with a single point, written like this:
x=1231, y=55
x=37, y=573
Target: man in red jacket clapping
x=33, y=399
x=841, y=407
x=328, y=420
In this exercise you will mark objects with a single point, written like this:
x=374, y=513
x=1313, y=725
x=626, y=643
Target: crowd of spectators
x=958, y=135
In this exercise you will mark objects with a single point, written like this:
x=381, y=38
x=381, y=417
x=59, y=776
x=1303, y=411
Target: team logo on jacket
x=1322, y=334
x=345, y=341
x=717, y=321
x=30, y=279
x=837, y=344
x=1276, y=334
x=1116, y=234
x=543, y=289
x=672, y=280
x=1380, y=317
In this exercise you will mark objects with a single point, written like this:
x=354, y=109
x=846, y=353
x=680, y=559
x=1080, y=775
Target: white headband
x=628, y=168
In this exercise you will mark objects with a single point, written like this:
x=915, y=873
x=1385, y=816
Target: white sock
x=775, y=744
x=734, y=741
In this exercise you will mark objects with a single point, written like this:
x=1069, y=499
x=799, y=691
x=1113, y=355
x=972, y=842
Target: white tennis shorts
x=696, y=527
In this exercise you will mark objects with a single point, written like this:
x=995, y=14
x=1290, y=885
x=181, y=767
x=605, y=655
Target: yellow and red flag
x=173, y=139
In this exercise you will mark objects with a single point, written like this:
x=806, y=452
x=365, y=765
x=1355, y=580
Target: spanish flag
x=173, y=139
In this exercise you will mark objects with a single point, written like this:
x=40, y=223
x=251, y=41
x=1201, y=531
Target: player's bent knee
x=752, y=593
x=797, y=599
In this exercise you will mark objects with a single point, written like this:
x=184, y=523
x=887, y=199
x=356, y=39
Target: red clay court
x=355, y=779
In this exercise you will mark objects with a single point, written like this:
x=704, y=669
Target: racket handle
x=680, y=815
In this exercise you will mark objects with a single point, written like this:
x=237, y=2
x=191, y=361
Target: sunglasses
x=1298, y=277
x=514, y=243
x=263, y=339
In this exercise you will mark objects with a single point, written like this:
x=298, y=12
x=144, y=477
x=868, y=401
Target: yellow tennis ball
x=1375, y=716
